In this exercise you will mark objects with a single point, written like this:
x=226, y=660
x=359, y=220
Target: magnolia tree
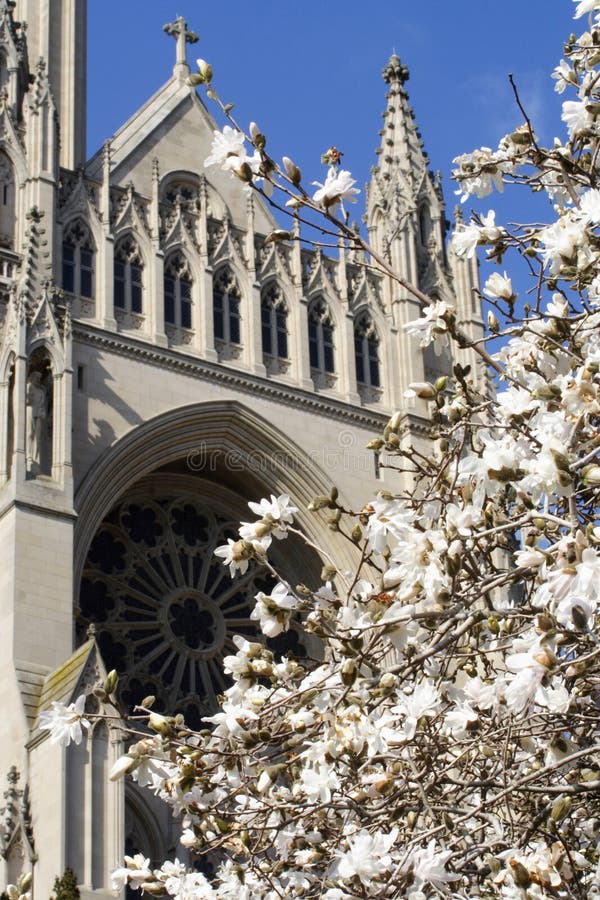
x=444, y=739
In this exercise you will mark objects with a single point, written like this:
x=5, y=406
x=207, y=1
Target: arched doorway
x=164, y=607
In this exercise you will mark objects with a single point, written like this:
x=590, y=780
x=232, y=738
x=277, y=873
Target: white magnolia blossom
x=433, y=325
x=338, y=186
x=585, y=6
x=228, y=149
x=467, y=237
x=65, y=723
x=499, y=286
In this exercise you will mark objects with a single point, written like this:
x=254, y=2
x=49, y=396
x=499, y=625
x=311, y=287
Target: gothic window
x=7, y=202
x=4, y=77
x=366, y=349
x=226, y=307
x=320, y=338
x=128, y=281
x=178, y=291
x=424, y=225
x=273, y=313
x=78, y=261
x=164, y=606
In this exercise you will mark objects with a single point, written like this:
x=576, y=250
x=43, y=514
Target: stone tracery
x=165, y=608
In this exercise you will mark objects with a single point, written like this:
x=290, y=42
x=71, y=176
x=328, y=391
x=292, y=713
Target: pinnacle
x=395, y=72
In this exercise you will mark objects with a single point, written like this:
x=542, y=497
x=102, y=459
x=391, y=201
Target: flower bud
x=356, y=533
x=159, y=723
x=395, y=422
x=319, y=502
x=493, y=323
x=545, y=658
x=387, y=681
x=560, y=808
x=205, y=69
x=258, y=138
x=292, y=171
x=278, y=234
x=580, y=620
x=154, y=888
x=411, y=819
x=348, y=672
x=423, y=389
x=375, y=444
x=591, y=474
x=112, y=680
x=195, y=79
x=244, y=173
x=520, y=874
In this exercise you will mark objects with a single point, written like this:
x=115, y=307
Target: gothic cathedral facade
x=160, y=366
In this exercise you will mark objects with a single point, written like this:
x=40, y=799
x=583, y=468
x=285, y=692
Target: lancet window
x=273, y=312
x=128, y=276
x=320, y=338
x=78, y=261
x=7, y=202
x=366, y=349
x=178, y=291
x=226, y=307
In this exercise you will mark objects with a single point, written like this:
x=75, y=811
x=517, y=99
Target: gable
x=175, y=128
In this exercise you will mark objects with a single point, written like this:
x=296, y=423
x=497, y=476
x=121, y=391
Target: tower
x=57, y=33
x=161, y=366
x=406, y=222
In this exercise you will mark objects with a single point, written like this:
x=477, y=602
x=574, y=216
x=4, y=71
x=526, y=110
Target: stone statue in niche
x=37, y=425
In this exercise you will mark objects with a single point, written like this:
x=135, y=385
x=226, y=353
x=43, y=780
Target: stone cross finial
x=179, y=30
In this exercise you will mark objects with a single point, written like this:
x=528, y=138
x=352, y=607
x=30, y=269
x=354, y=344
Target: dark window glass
x=68, y=278
x=234, y=320
x=266, y=329
x=218, y=316
x=328, y=360
x=281, y=319
x=186, y=304
x=87, y=273
x=119, y=285
x=360, y=360
x=169, y=300
x=374, y=362
x=136, y=288
x=313, y=344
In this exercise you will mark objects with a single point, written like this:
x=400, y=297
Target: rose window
x=164, y=607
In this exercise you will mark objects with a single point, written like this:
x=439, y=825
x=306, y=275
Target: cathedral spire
x=401, y=145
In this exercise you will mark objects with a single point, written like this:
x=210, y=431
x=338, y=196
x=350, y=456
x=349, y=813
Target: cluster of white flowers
x=441, y=739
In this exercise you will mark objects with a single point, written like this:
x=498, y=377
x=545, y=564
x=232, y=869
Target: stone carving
x=37, y=425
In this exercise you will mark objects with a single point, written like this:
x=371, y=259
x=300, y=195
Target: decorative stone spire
x=405, y=206
x=179, y=30
x=401, y=145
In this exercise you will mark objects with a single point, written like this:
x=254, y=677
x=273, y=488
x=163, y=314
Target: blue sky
x=310, y=73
